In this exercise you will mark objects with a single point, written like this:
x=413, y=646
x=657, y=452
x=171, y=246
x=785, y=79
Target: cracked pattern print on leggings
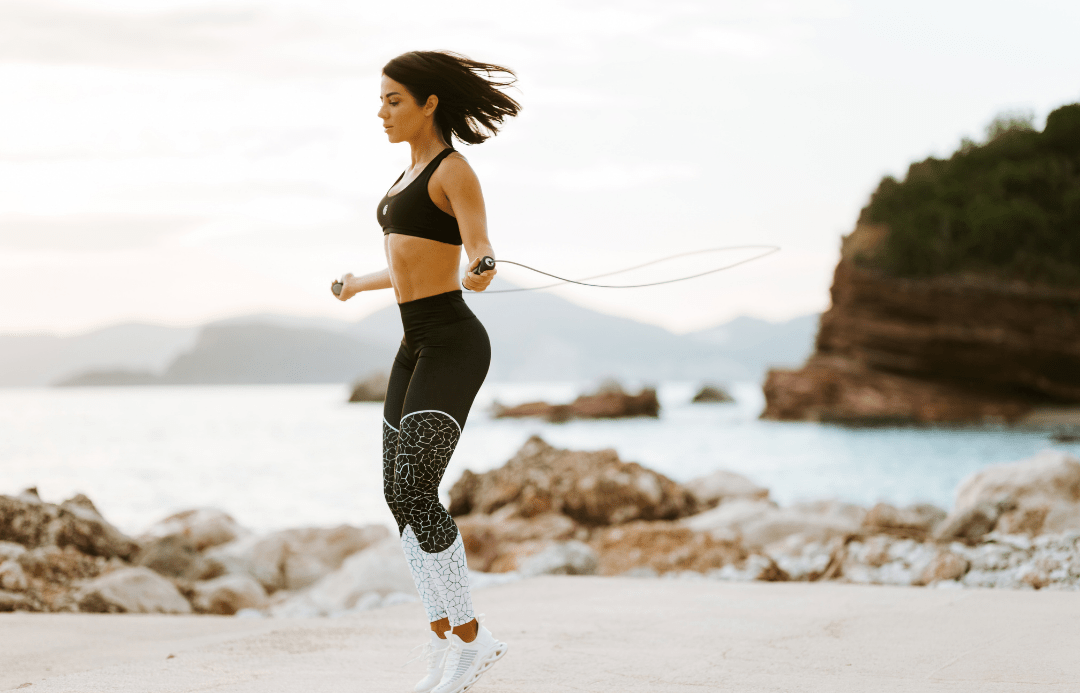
x=425, y=443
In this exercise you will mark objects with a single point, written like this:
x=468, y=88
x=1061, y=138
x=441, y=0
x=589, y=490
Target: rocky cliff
x=957, y=297
x=940, y=349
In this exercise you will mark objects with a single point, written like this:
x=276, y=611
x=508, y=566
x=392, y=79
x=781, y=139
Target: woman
x=433, y=209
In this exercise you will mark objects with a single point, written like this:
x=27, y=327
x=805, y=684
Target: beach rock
x=757, y=566
x=132, y=590
x=370, y=389
x=662, y=547
x=809, y=561
x=945, y=566
x=712, y=393
x=175, y=556
x=973, y=522
x=914, y=522
x=713, y=489
x=592, y=488
x=560, y=558
x=13, y=601
x=294, y=558
x=885, y=560
x=371, y=575
x=228, y=594
x=493, y=543
x=758, y=523
x=27, y=520
x=202, y=527
x=9, y=550
x=1043, y=494
x=607, y=403
x=12, y=576
x=775, y=526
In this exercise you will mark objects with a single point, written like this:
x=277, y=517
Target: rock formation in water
x=957, y=297
x=610, y=401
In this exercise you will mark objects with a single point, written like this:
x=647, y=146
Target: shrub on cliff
x=1009, y=207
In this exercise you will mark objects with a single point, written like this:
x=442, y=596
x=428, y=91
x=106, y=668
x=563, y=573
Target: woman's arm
x=462, y=190
x=369, y=282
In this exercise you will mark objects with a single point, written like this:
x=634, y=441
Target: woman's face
x=403, y=119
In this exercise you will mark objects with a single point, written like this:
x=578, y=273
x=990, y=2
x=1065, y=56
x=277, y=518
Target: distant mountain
x=29, y=360
x=534, y=336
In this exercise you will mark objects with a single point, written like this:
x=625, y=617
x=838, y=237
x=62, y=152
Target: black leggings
x=441, y=364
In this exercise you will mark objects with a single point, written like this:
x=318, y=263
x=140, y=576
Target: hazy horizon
x=179, y=161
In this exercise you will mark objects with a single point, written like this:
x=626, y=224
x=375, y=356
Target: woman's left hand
x=478, y=282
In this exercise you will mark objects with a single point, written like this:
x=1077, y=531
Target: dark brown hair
x=471, y=106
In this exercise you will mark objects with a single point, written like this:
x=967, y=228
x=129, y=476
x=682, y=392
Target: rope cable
x=768, y=250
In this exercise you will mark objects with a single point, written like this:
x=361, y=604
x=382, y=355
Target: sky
x=179, y=161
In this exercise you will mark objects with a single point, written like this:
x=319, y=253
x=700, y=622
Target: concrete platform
x=586, y=634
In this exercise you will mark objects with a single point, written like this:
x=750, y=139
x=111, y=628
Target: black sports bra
x=412, y=213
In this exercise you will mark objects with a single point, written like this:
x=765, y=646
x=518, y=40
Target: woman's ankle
x=440, y=627
x=467, y=631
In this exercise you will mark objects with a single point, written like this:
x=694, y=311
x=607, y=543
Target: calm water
x=287, y=456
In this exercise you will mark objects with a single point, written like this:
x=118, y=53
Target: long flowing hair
x=472, y=102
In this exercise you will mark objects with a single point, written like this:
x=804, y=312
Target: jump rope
x=488, y=263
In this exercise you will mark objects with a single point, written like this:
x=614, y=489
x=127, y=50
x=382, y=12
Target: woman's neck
x=426, y=147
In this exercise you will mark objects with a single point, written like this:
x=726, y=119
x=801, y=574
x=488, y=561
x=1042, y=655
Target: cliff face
x=947, y=349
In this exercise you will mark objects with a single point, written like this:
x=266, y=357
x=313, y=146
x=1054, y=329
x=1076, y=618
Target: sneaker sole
x=489, y=661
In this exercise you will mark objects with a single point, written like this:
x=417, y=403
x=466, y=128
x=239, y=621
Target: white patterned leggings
x=441, y=364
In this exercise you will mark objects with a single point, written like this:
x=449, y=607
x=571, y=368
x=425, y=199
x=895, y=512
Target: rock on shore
x=552, y=511
x=1015, y=525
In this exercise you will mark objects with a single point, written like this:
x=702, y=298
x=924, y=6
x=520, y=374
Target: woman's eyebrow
x=392, y=93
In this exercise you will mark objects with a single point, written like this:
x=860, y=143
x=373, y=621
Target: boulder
x=592, y=488
x=228, y=594
x=560, y=558
x=945, y=566
x=175, y=556
x=9, y=550
x=713, y=489
x=778, y=525
x=202, y=527
x=370, y=575
x=493, y=543
x=973, y=522
x=662, y=547
x=132, y=590
x=607, y=403
x=915, y=522
x=27, y=520
x=710, y=394
x=758, y=523
x=370, y=389
x=294, y=558
x=1042, y=494
x=13, y=601
x=12, y=576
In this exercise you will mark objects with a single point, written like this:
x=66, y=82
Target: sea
x=281, y=456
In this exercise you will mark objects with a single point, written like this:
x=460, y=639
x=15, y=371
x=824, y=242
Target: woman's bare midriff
x=420, y=267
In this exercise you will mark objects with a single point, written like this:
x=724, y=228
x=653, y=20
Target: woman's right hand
x=348, y=287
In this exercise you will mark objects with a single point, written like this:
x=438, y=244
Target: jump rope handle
x=336, y=287
x=486, y=263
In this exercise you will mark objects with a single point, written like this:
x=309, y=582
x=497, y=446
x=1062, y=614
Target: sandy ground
x=586, y=634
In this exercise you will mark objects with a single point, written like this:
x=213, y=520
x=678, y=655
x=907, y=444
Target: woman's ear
x=432, y=103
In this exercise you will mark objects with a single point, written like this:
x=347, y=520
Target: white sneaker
x=467, y=661
x=435, y=652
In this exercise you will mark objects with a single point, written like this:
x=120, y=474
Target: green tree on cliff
x=1009, y=207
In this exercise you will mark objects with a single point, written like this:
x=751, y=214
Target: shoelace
x=426, y=650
